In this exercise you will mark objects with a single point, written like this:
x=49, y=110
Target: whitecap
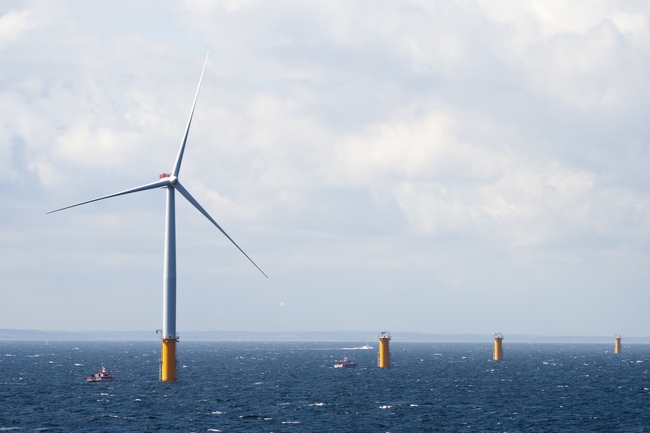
x=385, y=407
x=317, y=404
x=290, y=422
x=366, y=347
x=216, y=412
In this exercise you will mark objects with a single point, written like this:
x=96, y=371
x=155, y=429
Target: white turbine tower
x=171, y=182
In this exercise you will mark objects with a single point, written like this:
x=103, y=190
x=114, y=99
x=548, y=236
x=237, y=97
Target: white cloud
x=535, y=20
x=13, y=25
x=444, y=185
x=426, y=148
x=575, y=52
x=95, y=147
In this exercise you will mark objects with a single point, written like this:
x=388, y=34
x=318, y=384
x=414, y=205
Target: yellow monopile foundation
x=498, y=348
x=384, y=350
x=168, y=361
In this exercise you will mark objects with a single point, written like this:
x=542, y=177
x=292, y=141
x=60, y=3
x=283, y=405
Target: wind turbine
x=171, y=183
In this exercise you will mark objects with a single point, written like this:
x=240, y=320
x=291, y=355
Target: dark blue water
x=292, y=387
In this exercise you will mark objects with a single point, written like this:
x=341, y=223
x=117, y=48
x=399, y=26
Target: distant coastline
x=357, y=336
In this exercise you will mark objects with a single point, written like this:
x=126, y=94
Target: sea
x=293, y=387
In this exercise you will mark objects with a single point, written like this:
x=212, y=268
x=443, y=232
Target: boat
x=102, y=376
x=345, y=363
x=366, y=347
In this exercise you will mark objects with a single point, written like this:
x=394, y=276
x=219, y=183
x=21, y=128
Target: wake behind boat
x=102, y=376
x=345, y=363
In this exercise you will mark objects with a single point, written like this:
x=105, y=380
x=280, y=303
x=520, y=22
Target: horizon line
x=353, y=335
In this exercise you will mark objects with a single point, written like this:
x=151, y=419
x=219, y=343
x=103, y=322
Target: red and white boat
x=345, y=363
x=102, y=376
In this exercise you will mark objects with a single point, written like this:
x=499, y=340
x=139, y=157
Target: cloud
x=426, y=148
x=13, y=25
x=446, y=185
x=577, y=53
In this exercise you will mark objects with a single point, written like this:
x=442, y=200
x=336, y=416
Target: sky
x=425, y=166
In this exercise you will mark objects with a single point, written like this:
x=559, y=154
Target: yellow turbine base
x=498, y=349
x=168, y=360
x=384, y=353
x=617, y=345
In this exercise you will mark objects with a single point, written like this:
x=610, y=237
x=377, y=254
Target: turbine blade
x=196, y=204
x=159, y=184
x=179, y=158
